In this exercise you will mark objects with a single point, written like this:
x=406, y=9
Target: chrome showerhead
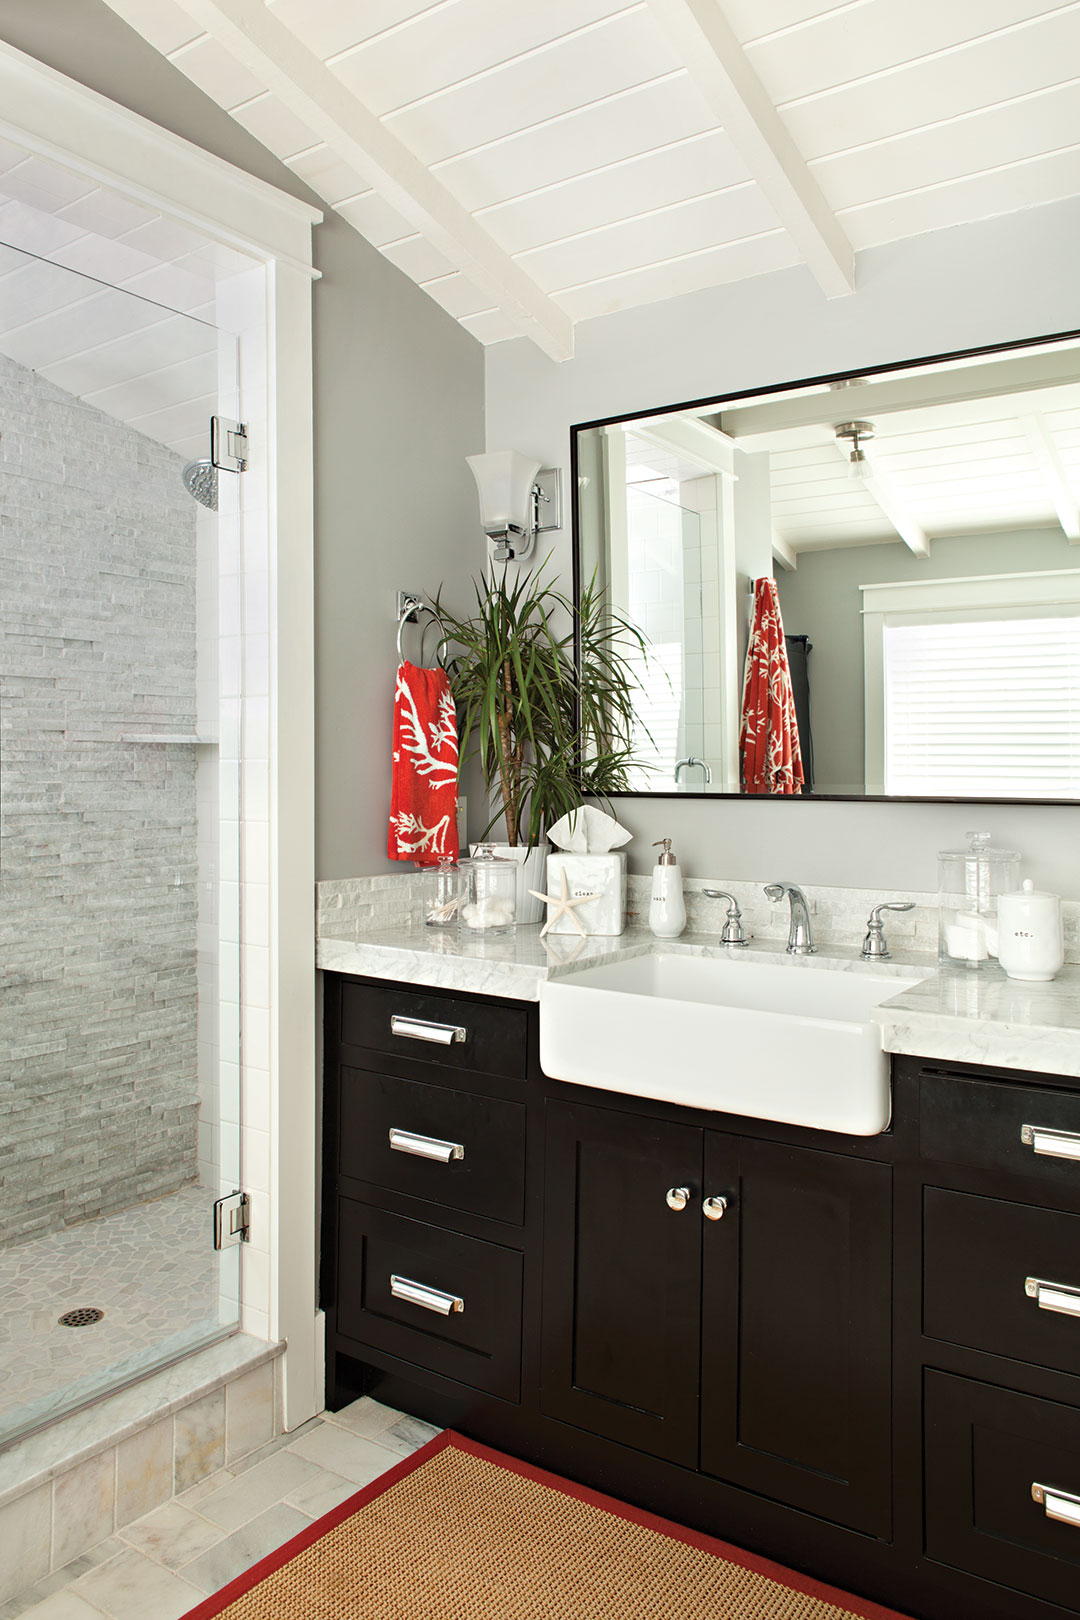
x=200, y=480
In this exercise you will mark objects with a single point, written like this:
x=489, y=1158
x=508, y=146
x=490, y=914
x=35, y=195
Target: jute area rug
x=459, y=1532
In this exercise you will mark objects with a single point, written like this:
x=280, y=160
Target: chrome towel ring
x=411, y=608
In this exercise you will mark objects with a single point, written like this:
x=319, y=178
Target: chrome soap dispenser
x=667, y=908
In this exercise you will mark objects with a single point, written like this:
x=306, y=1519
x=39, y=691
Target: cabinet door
x=796, y=1328
x=622, y=1276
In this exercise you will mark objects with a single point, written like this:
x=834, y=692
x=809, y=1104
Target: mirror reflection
x=862, y=587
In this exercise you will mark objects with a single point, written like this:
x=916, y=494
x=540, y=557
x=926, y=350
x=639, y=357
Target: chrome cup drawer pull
x=425, y=1147
x=1053, y=1296
x=1054, y=1144
x=1060, y=1505
x=422, y=1029
x=429, y=1299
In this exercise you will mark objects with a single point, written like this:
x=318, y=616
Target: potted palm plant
x=545, y=700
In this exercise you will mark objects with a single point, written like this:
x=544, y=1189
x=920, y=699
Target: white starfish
x=563, y=905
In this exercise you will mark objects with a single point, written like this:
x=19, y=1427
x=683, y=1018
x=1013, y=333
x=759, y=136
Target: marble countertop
x=513, y=965
x=986, y=1017
x=952, y=1015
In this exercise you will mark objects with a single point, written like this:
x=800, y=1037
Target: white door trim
x=64, y=122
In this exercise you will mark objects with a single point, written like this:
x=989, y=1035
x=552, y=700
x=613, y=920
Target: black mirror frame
x=720, y=400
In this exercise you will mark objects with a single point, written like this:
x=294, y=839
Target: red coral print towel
x=769, y=739
x=423, y=791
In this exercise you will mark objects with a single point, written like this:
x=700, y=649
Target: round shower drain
x=82, y=1317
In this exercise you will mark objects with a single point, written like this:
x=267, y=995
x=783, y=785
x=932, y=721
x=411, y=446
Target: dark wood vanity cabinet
x=621, y=1290
x=752, y=1342
x=999, y=1189
x=857, y=1356
x=797, y=1328
x=424, y=1137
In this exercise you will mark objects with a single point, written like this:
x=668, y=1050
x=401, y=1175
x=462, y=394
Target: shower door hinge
x=231, y=1220
x=228, y=444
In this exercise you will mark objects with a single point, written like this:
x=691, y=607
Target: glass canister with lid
x=444, y=901
x=969, y=882
x=489, y=896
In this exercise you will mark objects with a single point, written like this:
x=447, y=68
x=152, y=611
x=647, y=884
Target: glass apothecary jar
x=969, y=882
x=488, y=896
x=442, y=905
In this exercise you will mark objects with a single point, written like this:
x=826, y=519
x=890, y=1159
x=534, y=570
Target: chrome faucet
x=692, y=759
x=800, y=935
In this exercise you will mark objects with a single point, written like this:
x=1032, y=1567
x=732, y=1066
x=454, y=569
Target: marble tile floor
x=153, y=1271
x=159, y=1567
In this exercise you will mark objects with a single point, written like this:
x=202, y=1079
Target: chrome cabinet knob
x=678, y=1197
x=713, y=1208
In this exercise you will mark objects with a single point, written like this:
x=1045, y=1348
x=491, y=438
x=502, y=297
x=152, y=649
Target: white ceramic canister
x=1030, y=940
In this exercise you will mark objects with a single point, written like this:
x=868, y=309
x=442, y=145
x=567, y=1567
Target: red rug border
x=861, y=1608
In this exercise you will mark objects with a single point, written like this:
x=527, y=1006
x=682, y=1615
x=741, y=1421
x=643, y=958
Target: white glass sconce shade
x=504, y=479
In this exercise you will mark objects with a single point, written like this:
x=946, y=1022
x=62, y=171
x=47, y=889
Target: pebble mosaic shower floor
x=151, y=1269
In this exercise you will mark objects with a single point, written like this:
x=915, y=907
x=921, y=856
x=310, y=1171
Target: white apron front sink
x=772, y=1040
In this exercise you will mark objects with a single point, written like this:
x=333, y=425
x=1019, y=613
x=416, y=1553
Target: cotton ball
x=490, y=912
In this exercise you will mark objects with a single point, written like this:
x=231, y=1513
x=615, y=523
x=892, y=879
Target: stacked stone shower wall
x=98, y=890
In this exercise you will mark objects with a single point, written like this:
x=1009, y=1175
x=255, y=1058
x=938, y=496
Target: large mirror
x=918, y=529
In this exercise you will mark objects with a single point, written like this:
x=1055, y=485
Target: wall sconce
x=518, y=501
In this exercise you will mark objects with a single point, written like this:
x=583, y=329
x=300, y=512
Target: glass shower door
x=119, y=838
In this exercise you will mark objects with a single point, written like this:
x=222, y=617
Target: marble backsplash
x=348, y=908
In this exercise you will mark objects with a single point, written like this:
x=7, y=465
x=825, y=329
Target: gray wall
x=398, y=405
x=98, y=891
x=992, y=282
x=822, y=599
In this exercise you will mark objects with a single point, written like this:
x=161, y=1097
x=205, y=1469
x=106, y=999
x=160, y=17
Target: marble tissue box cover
x=601, y=874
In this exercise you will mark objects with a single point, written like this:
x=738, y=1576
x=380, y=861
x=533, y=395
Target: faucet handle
x=733, y=932
x=875, y=947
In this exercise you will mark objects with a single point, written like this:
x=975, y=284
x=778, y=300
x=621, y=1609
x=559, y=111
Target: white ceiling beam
x=911, y=533
x=785, y=556
x=253, y=37
x=719, y=67
x=890, y=504
x=695, y=441
x=1031, y=374
x=1053, y=474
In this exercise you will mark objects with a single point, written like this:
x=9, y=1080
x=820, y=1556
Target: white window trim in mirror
x=921, y=601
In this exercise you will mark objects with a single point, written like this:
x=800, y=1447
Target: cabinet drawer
x=389, y=1128
x=455, y=1307
x=1030, y=1131
x=985, y=1260
x=459, y=1034
x=985, y=1449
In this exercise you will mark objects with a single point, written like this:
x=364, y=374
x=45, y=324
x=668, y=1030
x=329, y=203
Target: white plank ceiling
x=989, y=444
x=112, y=302
x=532, y=163
x=1006, y=464
x=953, y=469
